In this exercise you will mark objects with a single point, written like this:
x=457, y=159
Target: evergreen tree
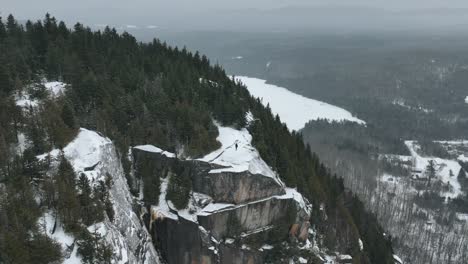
x=93, y=248
x=2, y=30
x=6, y=84
x=85, y=199
x=463, y=180
x=430, y=171
x=21, y=241
x=68, y=116
x=461, y=175
x=12, y=25
x=179, y=187
x=68, y=206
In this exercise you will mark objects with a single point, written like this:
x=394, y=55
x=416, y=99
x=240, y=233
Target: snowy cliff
x=96, y=157
x=238, y=205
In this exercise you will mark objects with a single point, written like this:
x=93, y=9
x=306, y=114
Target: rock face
x=95, y=157
x=129, y=239
x=239, y=212
x=222, y=187
x=181, y=241
x=236, y=188
x=250, y=217
x=231, y=254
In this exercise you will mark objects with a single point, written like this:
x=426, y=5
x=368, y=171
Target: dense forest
x=137, y=93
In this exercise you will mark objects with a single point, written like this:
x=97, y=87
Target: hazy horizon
x=261, y=15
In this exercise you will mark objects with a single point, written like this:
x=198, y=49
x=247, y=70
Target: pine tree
x=179, y=187
x=68, y=115
x=85, y=199
x=12, y=25
x=6, y=84
x=62, y=30
x=430, y=172
x=462, y=179
x=68, y=206
x=2, y=30
x=461, y=174
x=93, y=248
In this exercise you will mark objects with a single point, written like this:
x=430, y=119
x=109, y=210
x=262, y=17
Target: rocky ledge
x=232, y=217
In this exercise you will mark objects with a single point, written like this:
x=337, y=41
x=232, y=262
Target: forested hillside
x=135, y=94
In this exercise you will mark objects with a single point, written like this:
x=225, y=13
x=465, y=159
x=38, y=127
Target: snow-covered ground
x=295, y=110
x=446, y=170
x=47, y=223
x=243, y=158
x=25, y=101
x=83, y=152
x=54, y=88
x=403, y=104
x=409, y=219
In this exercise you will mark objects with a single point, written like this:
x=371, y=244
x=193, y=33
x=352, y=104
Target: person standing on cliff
x=236, y=146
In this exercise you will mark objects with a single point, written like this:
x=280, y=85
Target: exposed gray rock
x=236, y=188
x=129, y=239
x=250, y=217
x=223, y=187
x=262, y=212
x=230, y=254
x=182, y=241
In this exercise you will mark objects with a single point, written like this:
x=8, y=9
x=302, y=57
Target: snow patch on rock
x=237, y=153
x=162, y=209
x=55, y=88
x=151, y=148
x=84, y=152
x=397, y=259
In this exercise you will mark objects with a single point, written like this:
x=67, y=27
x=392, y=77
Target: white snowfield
x=295, y=110
x=443, y=168
x=243, y=158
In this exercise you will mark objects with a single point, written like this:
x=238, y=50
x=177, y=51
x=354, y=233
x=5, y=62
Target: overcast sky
x=250, y=14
